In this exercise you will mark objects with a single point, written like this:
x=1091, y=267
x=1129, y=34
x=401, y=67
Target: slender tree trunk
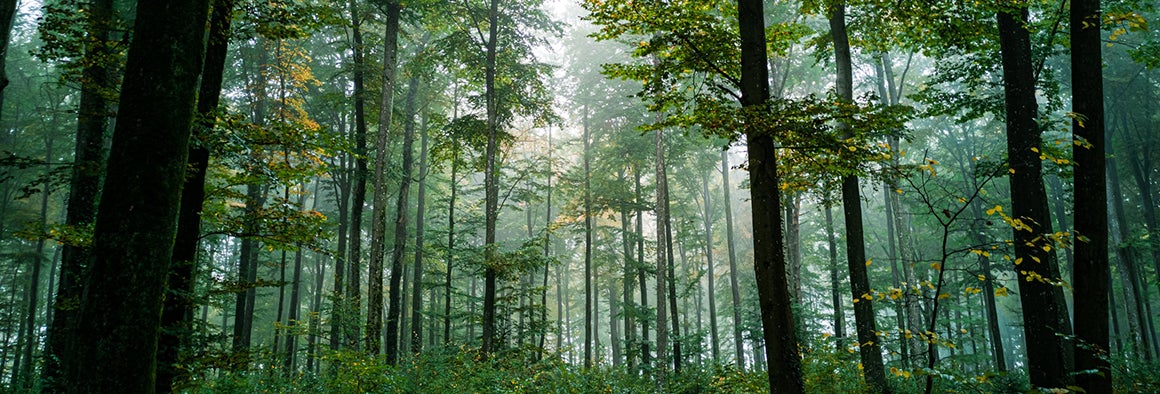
x=177, y=314
x=645, y=354
x=711, y=271
x=137, y=220
x=662, y=218
x=491, y=183
x=734, y=286
x=835, y=277
x=875, y=373
x=547, y=253
x=674, y=315
x=629, y=283
x=588, y=290
x=1043, y=315
x=450, y=249
x=420, y=212
x=395, y=309
x=1134, y=293
x=379, y=215
x=781, y=344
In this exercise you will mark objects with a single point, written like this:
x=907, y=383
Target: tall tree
x=490, y=180
x=84, y=183
x=379, y=216
x=420, y=219
x=395, y=308
x=589, y=290
x=137, y=216
x=875, y=373
x=1043, y=313
x=1090, y=275
x=734, y=286
x=781, y=345
x=177, y=313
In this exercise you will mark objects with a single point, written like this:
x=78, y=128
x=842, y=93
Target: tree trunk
x=711, y=271
x=1090, y=271
x=85, y=181
x=136, y=224
x=395, y=309
x=645, y=354
x=177, y=313
x=1043, y=315
x=734, y=286
x=866, y=328
x=588, y=290
x=379, y=215
x=1134, y=292
x=835, y=277
x=630, y=269
x=781, y=344
x=662, y=218
x=7, y=19
x=491, y=183
x=450, y=249
x=420, y=212
x=672, y=286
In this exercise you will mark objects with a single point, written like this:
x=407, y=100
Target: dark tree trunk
x=136, y=224
x=450, y=249
x=395, y=307
x=352, y=301
x=1043, y=315
x=491, y=183
x=781, y=344
x=85, y=182
x=835, y=277
x=420, y=212
x=7, y=18
x=674, y=316
x=662, y=218
x=714, y=346
x=379, y=215
x=629, y=283
x=177, y=313
x=645, y=354
x=734, y=286
x=1090, y=274
x=875, y=373
x=589, y=313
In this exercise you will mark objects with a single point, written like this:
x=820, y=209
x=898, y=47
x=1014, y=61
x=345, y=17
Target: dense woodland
x=594, y=196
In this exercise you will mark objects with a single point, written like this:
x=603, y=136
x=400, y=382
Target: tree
x=868, y=343
x=1043, y=311
x=781, y=345
x=379, y=216
x=84, y=185
x=1091, y=252
x=135, y=226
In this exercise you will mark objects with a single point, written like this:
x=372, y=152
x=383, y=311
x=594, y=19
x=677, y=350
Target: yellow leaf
x=936, y=266
x=868, y=261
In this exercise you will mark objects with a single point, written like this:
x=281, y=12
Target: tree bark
x=781, y=344
x=588, y=290
x=420, y=213
x=379, y=215
x=395, y=308
x=85, y=181
x=662, y=218
x=136, y=224
x=1043, y=316
x=734, y=286
x=1090, y=269
x=875, y=373
x=491, y=183
x=714, y=346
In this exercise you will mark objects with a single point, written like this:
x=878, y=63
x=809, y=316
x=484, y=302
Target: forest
x=579, y=196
